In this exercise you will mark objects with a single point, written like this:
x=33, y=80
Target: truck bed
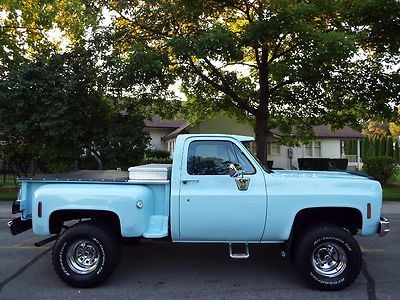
x=84, y=176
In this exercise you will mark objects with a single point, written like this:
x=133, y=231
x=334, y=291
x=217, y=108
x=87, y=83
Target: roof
x=324, y=131
x=345, y=132
x=156, y=122
x=321, y=131
x=175, y=133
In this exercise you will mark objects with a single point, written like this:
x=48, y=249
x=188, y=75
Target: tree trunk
x=262, y=115
x=261, y=131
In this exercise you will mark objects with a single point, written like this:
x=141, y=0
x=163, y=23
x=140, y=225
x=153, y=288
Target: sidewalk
x=389, y=208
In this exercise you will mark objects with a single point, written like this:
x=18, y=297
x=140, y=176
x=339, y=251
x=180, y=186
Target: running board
x=46, y=241
x=239, y=255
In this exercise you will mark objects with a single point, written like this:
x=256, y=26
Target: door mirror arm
x=235, y=170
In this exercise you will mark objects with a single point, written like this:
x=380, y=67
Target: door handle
x=184, y=181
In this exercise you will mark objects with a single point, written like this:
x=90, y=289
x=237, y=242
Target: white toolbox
x=150, y=172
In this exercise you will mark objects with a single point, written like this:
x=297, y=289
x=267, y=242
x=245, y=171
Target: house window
x=317, y=149
x=312, y=149
x=308, y=150
x=273, y=148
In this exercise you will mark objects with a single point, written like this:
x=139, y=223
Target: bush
x=157, y=153
x=155, y=160
x=381, y=168
x=88, y=162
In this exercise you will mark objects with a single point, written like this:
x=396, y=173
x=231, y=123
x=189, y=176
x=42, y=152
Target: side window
x=244, y=161
x=210, y=157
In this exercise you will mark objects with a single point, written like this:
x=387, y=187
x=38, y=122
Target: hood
x=321, y=175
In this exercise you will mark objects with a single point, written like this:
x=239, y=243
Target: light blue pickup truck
x=216, y=191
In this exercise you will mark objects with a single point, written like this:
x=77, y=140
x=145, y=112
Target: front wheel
x=86, y=254
x=327, y=257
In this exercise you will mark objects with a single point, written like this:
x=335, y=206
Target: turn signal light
x=369, y=211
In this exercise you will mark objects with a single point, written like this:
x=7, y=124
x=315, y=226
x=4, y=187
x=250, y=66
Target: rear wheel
x=86, y=254
x=327, y=257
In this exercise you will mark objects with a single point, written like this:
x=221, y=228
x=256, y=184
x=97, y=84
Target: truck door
x=212, y=208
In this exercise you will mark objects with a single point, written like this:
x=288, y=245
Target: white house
x=327, y=144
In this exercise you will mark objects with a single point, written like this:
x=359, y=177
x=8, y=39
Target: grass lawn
x=391, y=193
x=6, y=196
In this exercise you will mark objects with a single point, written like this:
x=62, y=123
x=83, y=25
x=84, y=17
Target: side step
x=46, y=241
x=158, y=227
x=239, y=255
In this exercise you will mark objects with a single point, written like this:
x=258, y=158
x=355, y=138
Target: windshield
x=247, y=145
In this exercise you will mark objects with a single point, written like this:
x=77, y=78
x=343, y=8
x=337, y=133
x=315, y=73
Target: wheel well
x=107, y=218
x=347, y=217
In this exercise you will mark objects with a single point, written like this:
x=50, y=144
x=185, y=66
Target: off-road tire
x=86, y=237
x=313, y=252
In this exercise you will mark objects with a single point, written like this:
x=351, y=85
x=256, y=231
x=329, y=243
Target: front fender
x=120, y=199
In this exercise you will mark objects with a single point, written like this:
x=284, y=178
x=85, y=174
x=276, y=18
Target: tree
x=287, y=64
x=396, y=151
x=376, y=128
x=123, y=141
x=365, y=144
x=27, y=27
x=50, y=110
x=382, y=146
x=389, y=147
x=376, y=142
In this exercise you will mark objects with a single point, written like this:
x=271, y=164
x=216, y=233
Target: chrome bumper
x=384, y=226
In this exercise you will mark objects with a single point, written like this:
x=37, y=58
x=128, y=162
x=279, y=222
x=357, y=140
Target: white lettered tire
x=86, y=254
x=327, y=257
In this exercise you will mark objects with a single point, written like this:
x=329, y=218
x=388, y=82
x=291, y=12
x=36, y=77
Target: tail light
x=39, y=209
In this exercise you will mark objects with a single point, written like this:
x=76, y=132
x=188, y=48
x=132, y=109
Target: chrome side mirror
x=235, y=170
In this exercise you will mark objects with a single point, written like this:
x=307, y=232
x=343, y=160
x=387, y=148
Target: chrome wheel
x=329, y=260
x=83, y=256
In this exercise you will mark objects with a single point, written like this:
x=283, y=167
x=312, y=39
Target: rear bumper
x=18, y=226
x=384, y=226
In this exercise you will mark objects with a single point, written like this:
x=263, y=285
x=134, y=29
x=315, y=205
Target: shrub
x=155, y=160
x=157, y=153
x=88, y=162
x=381, y=168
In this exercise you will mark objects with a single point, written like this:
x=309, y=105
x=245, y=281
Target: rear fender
x=117, y=198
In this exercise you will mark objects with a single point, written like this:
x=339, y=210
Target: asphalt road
x=161, y=270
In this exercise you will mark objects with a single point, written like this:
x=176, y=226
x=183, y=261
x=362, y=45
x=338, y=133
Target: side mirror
x=235, y=170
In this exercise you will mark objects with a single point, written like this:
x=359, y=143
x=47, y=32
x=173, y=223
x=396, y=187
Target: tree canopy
x=286, y=64
x=52, y=109
x=289, y=64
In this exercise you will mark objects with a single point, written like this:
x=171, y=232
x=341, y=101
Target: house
x=327, y=143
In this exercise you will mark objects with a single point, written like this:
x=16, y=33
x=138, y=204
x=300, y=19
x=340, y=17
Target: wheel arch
x=347, y=217
x=106, y=217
